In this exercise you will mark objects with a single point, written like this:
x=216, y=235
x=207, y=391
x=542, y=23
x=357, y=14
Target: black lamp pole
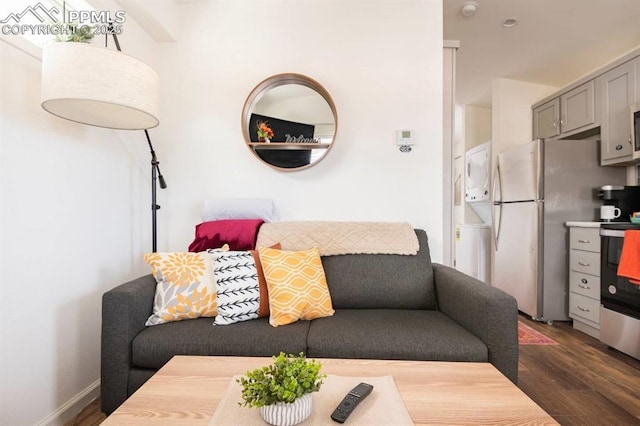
x=156, y=174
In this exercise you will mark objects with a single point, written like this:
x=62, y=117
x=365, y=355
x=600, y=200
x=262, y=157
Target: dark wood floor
x=578, y=382
x=89, y=416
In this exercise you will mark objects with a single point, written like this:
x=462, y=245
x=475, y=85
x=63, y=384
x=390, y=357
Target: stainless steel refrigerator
x=537, y=187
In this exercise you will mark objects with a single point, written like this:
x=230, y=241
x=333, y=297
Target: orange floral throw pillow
x=297, y=285
x=185, y=288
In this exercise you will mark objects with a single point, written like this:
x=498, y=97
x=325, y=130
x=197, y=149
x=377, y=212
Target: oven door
x=617, y=293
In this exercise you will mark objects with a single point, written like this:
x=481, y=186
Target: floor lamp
x=104, y=88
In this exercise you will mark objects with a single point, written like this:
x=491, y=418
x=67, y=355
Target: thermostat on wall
x=404, y=137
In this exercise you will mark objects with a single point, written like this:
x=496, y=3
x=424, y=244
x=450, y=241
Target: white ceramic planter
x=287, y=414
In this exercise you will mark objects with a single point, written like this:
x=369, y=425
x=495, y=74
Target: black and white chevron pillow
x=238, y=290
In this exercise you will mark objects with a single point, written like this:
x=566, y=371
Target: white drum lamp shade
x=98, y=86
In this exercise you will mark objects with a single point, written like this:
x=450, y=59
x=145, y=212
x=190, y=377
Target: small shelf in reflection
x=288, y=145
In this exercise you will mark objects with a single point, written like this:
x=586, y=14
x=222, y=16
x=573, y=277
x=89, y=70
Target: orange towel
x=629, y=265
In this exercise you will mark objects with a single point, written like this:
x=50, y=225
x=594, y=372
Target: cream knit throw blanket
x=334, y=238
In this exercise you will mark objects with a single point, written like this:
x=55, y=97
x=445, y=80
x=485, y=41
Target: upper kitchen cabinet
x=572, y=112
x=546, y=120
x=578, y=108
x=599, y=104
x=618, y=93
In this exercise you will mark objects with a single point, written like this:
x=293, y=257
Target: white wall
x=477, y=123
x=512, y=121
x=448, y=147
x=74, y=200
x=381, y=61
x=74, y=222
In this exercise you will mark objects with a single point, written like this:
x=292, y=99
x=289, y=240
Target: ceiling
x=554, y=43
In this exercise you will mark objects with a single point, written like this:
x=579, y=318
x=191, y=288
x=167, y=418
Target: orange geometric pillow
x=185, y=287
x=297, y=285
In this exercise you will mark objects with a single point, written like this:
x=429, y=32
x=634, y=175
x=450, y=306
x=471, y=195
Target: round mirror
x=289, y=122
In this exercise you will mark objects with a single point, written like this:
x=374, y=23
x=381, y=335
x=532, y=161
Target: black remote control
x=353, y=398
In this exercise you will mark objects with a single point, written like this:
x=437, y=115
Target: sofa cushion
x=382, y=281
x=154, y=346
x=393, y=334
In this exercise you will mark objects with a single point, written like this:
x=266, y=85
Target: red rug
x=529, y=336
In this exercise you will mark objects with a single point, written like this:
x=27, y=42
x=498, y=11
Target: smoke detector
x=469, y=8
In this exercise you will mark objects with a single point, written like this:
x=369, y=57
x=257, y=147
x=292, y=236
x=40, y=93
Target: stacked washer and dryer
x=473, y=240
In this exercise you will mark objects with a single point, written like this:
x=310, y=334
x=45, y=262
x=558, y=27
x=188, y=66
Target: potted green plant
x=74, y=33
x=283, y=389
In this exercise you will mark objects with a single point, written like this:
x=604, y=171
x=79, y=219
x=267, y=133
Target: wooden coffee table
x=188, y=389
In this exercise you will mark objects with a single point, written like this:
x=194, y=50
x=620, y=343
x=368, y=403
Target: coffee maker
x=626, y=198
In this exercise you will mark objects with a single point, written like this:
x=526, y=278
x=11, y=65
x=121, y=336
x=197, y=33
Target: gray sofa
x=387, y=307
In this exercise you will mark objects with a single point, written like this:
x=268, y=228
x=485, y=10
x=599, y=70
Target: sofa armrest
x=487, y=312
x=125, y=309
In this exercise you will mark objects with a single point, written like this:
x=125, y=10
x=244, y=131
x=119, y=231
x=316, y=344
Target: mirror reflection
x=289, y=122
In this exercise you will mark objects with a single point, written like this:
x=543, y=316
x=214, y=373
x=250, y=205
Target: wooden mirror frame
x=271, y=83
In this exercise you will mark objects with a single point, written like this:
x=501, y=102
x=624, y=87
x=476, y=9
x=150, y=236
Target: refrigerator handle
x=496, y=229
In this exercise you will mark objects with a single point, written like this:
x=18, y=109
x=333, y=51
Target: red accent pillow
x=240, y=234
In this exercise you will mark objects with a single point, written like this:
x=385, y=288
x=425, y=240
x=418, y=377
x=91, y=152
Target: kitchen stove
x=619, y=225
x=620, y=299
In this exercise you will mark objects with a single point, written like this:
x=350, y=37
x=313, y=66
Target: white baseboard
x=71, y=408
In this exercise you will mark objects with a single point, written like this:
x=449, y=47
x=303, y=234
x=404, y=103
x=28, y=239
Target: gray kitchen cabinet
x=577, y=108
x=597, y=105
x=584, y=279
x=618, y=93
x=546, y=120
x=572, y=112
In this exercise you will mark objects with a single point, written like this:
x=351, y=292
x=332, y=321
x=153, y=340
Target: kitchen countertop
x=583, y=224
